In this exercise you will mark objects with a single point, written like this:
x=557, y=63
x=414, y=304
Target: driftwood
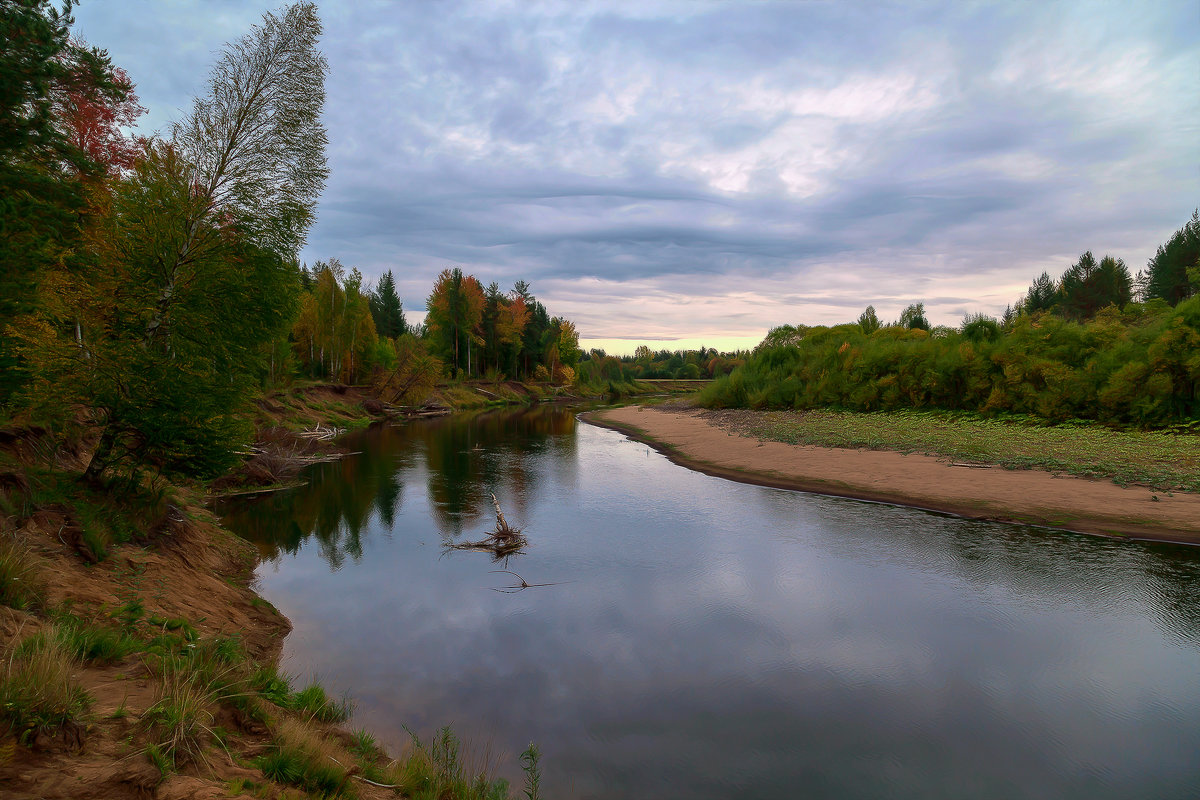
x=517, y=586
x=502, y=542
x=320, y=433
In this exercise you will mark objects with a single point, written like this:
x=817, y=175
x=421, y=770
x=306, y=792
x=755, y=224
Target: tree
x=1086, y=287
x=511, y=317
x=1167, y=274
x=164, y=393
x=869, y=321
x=386, y=308
x=195, y=267
x=1042, y=295
x=455, y=310
x=913, y=317
x=92, y=120
x=256, y=139
x=42, y=205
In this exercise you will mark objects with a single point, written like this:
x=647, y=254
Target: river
x=701, y=638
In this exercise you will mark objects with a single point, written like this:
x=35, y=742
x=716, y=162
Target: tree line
x=1079, y=347
x=152, y=285
x=354, y=333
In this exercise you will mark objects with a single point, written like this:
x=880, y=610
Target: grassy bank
x=1165, y=461
x=136, y=660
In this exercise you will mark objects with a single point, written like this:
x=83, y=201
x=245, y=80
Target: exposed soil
x=195, y=570
x=186, y=567
x=717, y=445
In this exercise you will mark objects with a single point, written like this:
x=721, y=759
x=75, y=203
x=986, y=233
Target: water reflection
x=462, y=460
x=707, y=639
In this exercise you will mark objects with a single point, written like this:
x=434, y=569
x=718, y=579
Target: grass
x=442, y=768
x=39, y=693
x=1163, y=461
x=95, y=644
x=312, y=701
x=100, y=516
x=301, y=756
x=21, y=584
x=180, y=722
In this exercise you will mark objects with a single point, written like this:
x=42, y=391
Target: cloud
x=701, y=155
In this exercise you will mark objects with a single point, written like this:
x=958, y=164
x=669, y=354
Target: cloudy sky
x=681, y=172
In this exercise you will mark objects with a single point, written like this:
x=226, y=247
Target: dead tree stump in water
x=502, y=528
x=503, y=541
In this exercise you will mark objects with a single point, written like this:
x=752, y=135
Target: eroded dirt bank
x=1029, y=496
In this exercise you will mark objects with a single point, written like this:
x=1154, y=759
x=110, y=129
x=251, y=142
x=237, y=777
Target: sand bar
x=1028, y=496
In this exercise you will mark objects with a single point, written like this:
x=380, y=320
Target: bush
x=1138, y=366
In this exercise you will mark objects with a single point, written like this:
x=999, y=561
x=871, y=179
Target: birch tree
x=196, y=266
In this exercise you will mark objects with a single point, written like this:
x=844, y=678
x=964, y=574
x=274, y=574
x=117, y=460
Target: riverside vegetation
x=1077, y=376
x=151, y=295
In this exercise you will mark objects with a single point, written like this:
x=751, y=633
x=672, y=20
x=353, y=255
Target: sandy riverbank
x=1027, y=496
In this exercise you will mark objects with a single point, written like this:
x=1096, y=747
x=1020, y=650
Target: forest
x=1096, y=344
x=152, y=286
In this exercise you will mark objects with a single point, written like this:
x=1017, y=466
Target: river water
x=708, y=639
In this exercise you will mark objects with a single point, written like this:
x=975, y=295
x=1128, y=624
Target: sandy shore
x=1027, y=496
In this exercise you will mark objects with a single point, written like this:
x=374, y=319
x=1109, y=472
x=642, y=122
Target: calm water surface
x=709, y=639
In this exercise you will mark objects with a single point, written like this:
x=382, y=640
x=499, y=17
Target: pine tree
x=1167, y=274
x=386, y=308
x=1087, y=286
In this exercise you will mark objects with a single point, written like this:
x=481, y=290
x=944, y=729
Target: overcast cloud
x=701, y=171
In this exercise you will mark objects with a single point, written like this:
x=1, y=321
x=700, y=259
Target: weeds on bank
x=441, y=768
x=21, y=585
x=180, y=722
x=95, y=644
x=39, y=693
x=122, y=509
x=313, y=702
x=301, y=756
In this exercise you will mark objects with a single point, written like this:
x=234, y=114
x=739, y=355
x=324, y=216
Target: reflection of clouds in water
x=712, y=639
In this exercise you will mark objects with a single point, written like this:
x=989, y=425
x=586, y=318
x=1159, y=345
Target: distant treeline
x=1076, y=348
x=597, y=367
x=349, y=332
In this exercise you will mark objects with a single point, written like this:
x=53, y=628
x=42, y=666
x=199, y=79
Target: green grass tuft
x=38, y=689
x=21, y=584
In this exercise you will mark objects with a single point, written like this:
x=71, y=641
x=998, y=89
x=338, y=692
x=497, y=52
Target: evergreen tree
x=41, y=193
x=1042, y=295
x=1167, y=274
x=386, y=308
x=1087, y=286
x=869, y=320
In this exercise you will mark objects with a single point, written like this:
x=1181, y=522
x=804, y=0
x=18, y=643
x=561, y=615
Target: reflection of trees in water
x=466, y=458
x=1026, y=562
x=506, y=452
